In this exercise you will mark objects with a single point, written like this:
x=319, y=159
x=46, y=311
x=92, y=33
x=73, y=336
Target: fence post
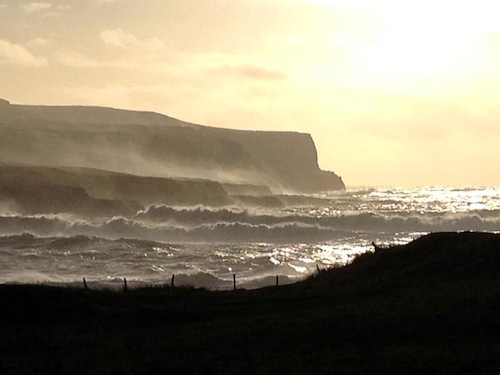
x=125, y=285
x=172, y=282
x=277, y=281
x=85, y=284
x=234, y=281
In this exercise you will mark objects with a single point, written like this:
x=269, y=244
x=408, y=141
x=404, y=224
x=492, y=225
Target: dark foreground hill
x=153, y=145
x=431, y=306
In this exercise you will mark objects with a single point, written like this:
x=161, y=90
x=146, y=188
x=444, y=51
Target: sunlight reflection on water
x=348, y=221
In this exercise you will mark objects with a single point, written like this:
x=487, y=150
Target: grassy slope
x=428, y=307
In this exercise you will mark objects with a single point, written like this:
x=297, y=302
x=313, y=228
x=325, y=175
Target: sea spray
x=205, y=246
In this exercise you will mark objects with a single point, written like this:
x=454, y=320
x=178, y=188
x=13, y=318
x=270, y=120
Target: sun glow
x=399, y=43
x=425, y=41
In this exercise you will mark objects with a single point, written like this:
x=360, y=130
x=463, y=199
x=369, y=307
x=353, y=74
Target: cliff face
x=90, y=192
x=290, y=157
x=154, y=145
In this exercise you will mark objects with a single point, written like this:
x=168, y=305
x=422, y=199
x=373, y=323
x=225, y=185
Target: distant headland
x=94, y=150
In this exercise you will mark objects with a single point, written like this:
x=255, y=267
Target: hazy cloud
x=39, y=42
x=118, y=38
x=76, y=60
x=258, y=72
x=122, y=39
x=16, y=54
x=36, y=7
x=45, y=9
x=252, y=72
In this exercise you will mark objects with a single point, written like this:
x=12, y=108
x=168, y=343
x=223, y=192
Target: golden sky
x=393, y=92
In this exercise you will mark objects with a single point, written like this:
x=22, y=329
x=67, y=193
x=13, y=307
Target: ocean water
x=206, y=246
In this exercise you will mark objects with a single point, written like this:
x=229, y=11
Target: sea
x=215, y=247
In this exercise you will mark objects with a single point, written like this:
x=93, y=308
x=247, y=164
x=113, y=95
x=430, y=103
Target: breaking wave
x=205, y=246
x=164, y=223
x=105, y=262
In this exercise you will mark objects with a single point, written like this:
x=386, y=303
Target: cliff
x=97, y=193
x=153, y=145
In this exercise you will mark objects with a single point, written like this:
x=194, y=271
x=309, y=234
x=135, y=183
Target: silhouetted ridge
x=85, y=115
x=455, y=256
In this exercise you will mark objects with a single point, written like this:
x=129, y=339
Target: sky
x=394, y=93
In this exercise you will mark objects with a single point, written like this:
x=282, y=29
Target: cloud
x=251, y=71
x=38, y=42
x=36, y=7
x=44, y=9
x=122, y=39
x=118, y=38
x=76, y=60
x=16, y=54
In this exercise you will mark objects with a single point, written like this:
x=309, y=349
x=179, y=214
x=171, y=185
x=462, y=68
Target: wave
x=19, y=240
x=205, y=246
x=71, y=242
x=128, y=228
x=162, y=223
x=475, y=220
x=104, y=263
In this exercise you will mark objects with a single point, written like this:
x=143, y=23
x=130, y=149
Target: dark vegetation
x=432, y=306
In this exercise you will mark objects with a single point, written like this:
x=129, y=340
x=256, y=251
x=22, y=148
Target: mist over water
x=205, y=246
